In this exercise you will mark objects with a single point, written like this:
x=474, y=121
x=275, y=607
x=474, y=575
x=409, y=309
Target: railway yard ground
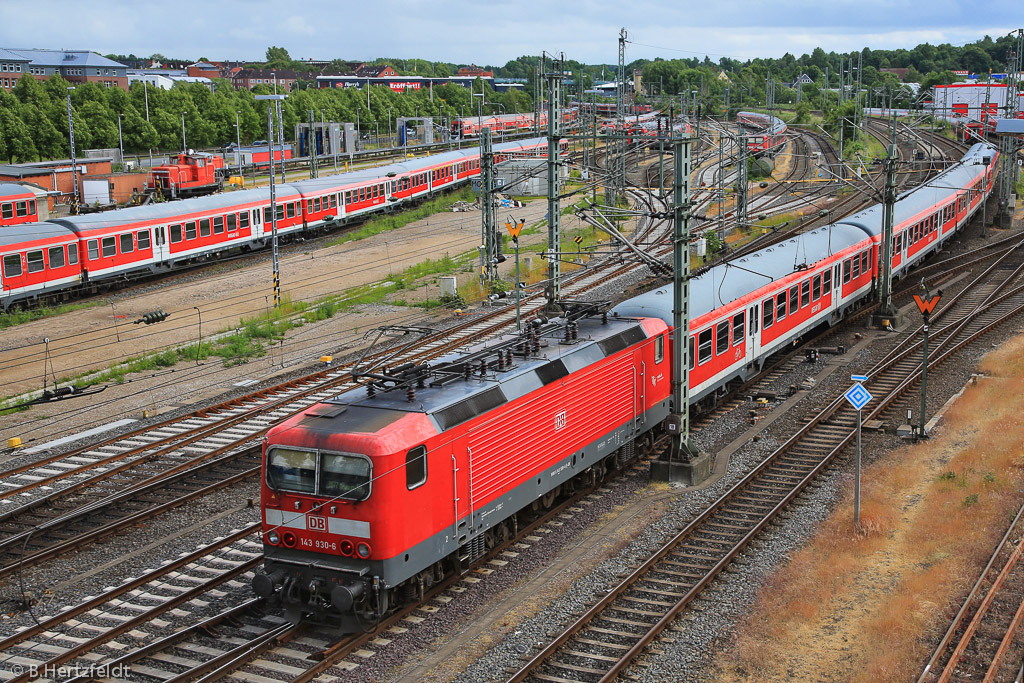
x=811, y=599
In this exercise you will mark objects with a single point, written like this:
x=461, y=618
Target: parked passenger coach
x=117, y=245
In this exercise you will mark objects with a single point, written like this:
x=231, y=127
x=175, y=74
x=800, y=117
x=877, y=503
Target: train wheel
x=548, y=499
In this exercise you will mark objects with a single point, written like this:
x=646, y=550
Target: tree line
x=34, y=122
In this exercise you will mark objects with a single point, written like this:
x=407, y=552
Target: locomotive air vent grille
x=618, y=342
x=475, y=405
x=550, y=372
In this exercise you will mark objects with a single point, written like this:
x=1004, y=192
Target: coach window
x=55, y=257
x=291, y=469
x=280, y=212
x=722, y=337
x=232, y=222
x=12, y=265
x=7, y=210
x=35, y=261
x=127, y=243
x=291, y=210
x=266, y=214
x=334, y=200
x=345, y=476
x=768, y=313
x=826, y=281
x=856, y=266
x=94, y=249
x=309, y=205
x=704, y=346
x=31, y=207
x=738, y=328
x=659, y=348
x=816, y=288
x=204, y=227
x=72, y=254
x=190, y=231
x=780, y=307
x=794, y=299
x=142, y=237
x=416, y=467
x=753, y=320
x=175, y=233
x=846, y=271
x=108, y=246
x=805, y=293
x=21, y=208
x=218, y=225
x=243, y=220
x=691, y=357
x=865, y=261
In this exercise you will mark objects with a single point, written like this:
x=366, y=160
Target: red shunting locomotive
x=371, y=497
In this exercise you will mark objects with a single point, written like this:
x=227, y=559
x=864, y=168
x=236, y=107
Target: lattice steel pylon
x=1008, y=172
x=554, y=79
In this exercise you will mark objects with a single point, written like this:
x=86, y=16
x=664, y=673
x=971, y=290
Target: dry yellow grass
x=866, y=605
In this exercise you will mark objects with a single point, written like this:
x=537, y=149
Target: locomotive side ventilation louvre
x=623, y=339
x=552, y=371
x=470, y=408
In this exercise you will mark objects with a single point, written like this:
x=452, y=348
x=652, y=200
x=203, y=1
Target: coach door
x=752, y=344
x=160, y=249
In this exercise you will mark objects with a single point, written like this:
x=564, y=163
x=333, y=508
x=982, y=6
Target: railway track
x=984, y=640
x=623, y=623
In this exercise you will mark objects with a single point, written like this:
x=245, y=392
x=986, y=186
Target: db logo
x=316, y=523
x=559, y=420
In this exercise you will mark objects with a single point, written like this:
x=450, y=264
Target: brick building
x=475, y=71
x=247, y=79
x=75, y=66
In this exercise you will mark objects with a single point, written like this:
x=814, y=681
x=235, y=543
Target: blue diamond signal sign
x=858, y=396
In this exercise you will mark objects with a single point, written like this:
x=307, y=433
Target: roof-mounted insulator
x=370, y=391
x=483, y=368
x=410, y=394
x=468, y=370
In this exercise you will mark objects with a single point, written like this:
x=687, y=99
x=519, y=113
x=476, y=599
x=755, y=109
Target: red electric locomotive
x=372, y=496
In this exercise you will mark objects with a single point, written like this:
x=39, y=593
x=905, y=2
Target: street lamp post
x=120, y=141
x=238, y=143
x=71, y=139
x=184, y=145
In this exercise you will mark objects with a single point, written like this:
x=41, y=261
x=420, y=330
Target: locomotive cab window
x=345, y=476
x=659, y=348
x=416, y=467
x=290, y=469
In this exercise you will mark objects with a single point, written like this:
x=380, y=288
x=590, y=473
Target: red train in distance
x=18, y=204
x=770, y=132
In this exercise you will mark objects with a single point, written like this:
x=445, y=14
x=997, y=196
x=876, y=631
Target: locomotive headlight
x=363, y=550
x=273, y=538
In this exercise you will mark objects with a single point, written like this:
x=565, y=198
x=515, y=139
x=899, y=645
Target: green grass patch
x=376, y=226
x=13, y=318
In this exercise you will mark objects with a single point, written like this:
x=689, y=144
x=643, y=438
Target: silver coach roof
x=924, y=197
x=10, y=189
x=175, y=209
x=401, y=168
x=730, y=281
x=16, y=235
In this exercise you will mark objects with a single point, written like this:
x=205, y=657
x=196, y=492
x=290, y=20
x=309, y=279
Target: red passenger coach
x=373, y=496
x=17, y=205
x=39, y=260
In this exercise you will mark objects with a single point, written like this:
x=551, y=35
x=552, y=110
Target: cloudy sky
x=493, y=32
